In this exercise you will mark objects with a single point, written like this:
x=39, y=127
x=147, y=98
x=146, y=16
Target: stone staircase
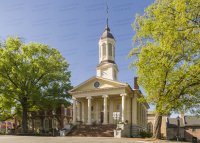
x=93, y=130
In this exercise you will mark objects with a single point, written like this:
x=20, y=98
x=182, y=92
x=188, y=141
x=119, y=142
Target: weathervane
x=107, y=14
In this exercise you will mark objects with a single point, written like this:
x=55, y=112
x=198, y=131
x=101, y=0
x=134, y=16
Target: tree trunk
x=24, y=120
x=157, y=126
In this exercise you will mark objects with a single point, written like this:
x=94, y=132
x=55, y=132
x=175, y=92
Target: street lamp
x=53, y=112
x=178, y=125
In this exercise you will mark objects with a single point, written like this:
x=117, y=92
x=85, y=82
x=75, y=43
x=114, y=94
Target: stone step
x=93, y=131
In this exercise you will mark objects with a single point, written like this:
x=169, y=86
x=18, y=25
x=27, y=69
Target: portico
x=99, y=104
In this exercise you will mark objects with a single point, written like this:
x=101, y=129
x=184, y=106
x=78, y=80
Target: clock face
x=104, y=72
x=96, y=84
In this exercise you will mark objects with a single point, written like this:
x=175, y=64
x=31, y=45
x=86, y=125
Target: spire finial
x=107, y=14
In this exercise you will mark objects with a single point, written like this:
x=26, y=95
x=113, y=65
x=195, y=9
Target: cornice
x=96, y=90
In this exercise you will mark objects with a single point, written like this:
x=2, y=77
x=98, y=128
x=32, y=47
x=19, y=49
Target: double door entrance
x=102, y=117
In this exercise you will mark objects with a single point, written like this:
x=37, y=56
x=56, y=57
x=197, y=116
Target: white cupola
x=107, y=67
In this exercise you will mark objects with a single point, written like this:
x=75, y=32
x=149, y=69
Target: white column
x=101, y=53
x=74, y=110
x=111, y=112
x=105, y=109
x=113, y=52
x=97, y=111
x=89, y=110
x=123, y=106
x=83, y=111
x=107, y=51
x=78, y=111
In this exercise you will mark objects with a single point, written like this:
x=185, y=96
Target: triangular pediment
x=104, y=83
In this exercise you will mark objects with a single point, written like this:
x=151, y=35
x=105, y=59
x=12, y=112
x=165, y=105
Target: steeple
x=107, y=67
x=107, y=33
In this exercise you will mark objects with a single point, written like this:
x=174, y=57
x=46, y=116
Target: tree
x=32, y=77
x=168, y=56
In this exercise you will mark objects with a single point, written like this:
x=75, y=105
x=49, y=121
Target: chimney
x=135, y=83
x=182, y=114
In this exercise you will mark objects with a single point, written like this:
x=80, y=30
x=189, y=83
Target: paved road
x=37, y=139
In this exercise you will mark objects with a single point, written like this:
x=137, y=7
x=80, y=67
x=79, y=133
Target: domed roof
x=107, y=33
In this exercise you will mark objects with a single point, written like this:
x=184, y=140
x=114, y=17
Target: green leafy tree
x=167, y=56
x=32, y=77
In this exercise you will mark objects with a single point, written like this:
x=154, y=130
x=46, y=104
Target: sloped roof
x=107, y=33
x=191, y=121
x=172, y=122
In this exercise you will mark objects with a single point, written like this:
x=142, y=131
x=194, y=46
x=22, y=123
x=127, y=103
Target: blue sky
x=74, y=27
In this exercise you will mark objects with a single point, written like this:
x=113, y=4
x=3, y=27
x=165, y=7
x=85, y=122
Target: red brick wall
x=189, y=134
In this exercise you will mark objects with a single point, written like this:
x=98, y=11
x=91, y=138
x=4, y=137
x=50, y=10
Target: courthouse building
x=98, y=97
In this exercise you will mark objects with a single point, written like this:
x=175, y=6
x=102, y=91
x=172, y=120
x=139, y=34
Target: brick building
x=171, y=129
x=44, y=119
x=41, y=120
x=189, y=128
x=192, y=128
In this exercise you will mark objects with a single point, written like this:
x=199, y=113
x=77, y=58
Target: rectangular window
x=70, y=112
x=194, y=130
x=65, y=111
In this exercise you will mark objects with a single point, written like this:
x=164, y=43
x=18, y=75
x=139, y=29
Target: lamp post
x=178, y=125
x=53, y=112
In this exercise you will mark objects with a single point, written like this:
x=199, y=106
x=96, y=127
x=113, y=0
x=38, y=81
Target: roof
x=172, y=122
x=107, y=33
x=191, y=121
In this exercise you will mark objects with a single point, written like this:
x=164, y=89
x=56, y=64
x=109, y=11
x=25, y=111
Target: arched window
x=46, y=123
x=150, y=127
x=65, y=122
x=104, y=49
x=110, y=49
x=30, y=124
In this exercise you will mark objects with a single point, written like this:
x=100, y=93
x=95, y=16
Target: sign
x=67, y=127
x=116, y=115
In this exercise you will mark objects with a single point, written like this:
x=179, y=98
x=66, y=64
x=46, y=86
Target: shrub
x=144, y=134
x=51, y=129
x=38, y=131
x=43, y=131
x=148, y=134
x=183, y=139
x=12, y=130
